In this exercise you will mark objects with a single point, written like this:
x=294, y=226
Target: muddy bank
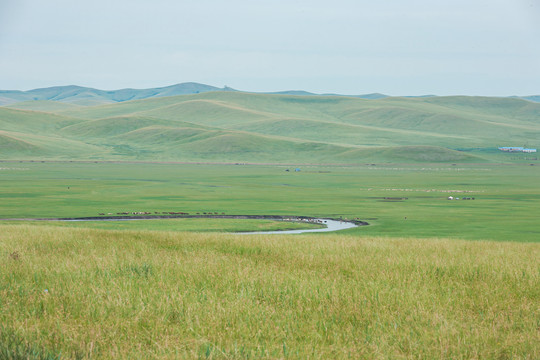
x=154, y=217
x=329, y=224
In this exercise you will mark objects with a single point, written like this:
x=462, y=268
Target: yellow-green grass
x=182, y=224
x=81, y=293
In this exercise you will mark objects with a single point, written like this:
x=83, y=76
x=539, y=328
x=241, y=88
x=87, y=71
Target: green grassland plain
x=407, y=286
x=428, y=278
x=397, y=200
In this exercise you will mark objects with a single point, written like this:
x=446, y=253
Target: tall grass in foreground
x=80, y=293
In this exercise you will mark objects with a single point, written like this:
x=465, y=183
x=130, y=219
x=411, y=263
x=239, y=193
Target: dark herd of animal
x=159, y=213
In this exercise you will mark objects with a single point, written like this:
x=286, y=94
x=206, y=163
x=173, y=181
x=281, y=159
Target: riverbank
x=326, y=224
x=330, y=225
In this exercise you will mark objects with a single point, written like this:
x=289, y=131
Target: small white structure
x=450, y=198
x=511, y=148
x=516, y=149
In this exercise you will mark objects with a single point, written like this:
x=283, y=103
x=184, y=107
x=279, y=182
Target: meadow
x=428, y=277
x=87, y=293
x=406, y=286
x=397, y=200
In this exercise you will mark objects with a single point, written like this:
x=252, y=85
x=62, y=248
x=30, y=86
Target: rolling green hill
x=246, y=127
x=14, y=145
x=43, y=105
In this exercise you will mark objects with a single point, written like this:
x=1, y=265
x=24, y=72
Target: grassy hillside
x=103, y=128
x=33, y=122
x=43, y=106
x=30, y=146
x=244, y=127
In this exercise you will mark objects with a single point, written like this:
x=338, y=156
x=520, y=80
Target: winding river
x=331, y=225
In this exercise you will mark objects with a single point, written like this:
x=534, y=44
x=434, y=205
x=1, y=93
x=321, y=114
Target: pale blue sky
x=413, y=47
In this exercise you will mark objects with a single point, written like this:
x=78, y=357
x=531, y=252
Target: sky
x=395, y=47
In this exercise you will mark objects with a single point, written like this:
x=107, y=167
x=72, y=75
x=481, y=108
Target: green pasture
x=397, y=200
x=411, y=285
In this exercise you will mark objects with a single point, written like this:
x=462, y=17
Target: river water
x=331, y=225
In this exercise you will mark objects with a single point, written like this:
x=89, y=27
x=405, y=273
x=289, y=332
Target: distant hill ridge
x=79, y=95
x=85, y=96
